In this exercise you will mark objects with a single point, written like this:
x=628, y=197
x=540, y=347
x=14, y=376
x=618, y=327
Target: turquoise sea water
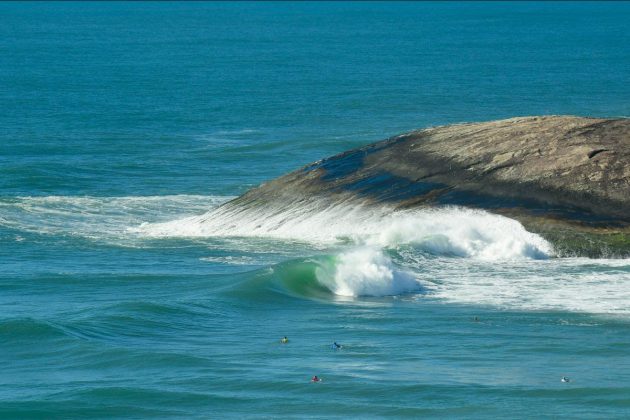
x=121, y=123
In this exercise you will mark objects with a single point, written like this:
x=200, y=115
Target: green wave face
x=356, y=273
x=303, y=278
x=298, y=278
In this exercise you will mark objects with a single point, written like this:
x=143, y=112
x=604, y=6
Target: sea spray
x=450, y=231
x=363, y=266
x=365, y=271
x=367, y=236
x=463, y=233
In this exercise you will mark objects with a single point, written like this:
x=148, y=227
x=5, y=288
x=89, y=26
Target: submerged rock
x=567, y=178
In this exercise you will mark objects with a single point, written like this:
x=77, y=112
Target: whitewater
x=133, y=286
x=449, y=254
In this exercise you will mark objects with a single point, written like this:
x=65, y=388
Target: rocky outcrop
x=565, y=177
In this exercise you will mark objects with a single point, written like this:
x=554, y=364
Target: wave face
x=576, y=285
x=449, y=254
x=376, y=252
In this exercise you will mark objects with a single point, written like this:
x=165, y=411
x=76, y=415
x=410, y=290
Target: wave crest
x=365, y=272
x=450, y=231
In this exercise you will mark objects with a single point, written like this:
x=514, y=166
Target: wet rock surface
x=565, y=177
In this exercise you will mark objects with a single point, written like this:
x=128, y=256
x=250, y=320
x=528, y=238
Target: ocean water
x=125, y=294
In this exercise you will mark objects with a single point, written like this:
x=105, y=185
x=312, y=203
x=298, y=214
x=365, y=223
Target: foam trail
x=96, y=217
x=561, y=284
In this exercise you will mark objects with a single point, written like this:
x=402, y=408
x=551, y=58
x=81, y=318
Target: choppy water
x=124, y=293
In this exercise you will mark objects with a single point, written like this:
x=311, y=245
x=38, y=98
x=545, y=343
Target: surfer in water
x=316, y=379
x=335, y=346
x=284, y=340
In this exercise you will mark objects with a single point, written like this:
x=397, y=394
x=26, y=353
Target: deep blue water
x=117, y=117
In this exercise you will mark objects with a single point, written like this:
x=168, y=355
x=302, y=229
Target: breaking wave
x=356, y=273
x=578, y=285
x=449, y=254
x=376, y=252
x=450, y=231
x=365, y=272
x=102, y=218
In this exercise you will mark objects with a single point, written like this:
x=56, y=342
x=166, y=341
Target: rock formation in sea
x=564, y=177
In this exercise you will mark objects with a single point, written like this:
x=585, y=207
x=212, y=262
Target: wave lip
x=362, y=272
x=365, y=272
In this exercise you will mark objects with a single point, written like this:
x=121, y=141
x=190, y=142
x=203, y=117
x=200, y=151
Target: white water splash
x=365, y=272
x=449, y=231
x=368, y=234
x=452, y=254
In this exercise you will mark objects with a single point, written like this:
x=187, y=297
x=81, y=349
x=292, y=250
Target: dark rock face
x=561, y=176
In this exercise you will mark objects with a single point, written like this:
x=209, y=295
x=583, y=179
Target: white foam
x=575, y=285
x=97, y=217
x=365, y=272
x=455, y=255
x=464, y=233
x=368, y=234
x=444, y=231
